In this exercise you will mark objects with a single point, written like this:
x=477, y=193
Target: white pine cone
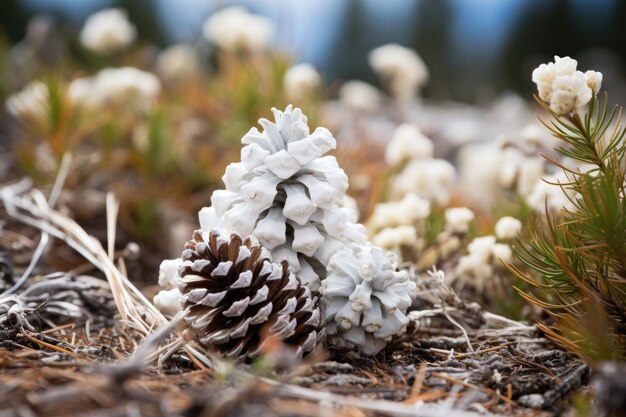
x=286, y=194
x=365, y=298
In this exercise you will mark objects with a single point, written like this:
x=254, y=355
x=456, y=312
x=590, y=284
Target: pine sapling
x=578, y=255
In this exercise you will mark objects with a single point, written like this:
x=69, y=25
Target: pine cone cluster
x=236, y=297
x=289, y=199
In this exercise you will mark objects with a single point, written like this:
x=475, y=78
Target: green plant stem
x=577, y=121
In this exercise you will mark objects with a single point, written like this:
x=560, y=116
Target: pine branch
x=578, y=256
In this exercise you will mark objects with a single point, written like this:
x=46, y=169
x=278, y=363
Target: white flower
x=387, y=215
x=533, y=135
x=178, y=62
x=508, y=227
x=569, y=92
x=482, y=247
x=529, y=172
x=502, y=252
x=407, y=212
x=300, y=81
x=594, y=80
x=517, y=171
x=485, y=168
x=168, y=273
x=431, y=179
x=31, y=102
x=391, y=238
x=235, y=28
x=563, y=87
x=359, y=96
x=458, y=219
x=407, y=143
x=547, y=190
x=475, y=268
x=510, y=159
x=115, y=87
x=365, y=299
x=107, y=31
x=80, y=91
x=118, y=85
x=479, y=172
x=401, y=67
x=414, y=208
x=168, y=302
x=478, y=264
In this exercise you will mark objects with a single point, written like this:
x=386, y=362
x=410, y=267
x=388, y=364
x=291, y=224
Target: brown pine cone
x=236, y=297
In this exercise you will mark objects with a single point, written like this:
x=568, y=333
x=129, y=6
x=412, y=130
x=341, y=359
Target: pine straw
x=456, y=360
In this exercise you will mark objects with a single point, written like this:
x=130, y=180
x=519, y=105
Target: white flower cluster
x=113, y=87
x=288, y=195
x=432, y=179
x=393, y=238
x=408, y=211
x=533, y=135
x=177, y=63
x=107, y=31
x=408, y=143
x=168, y=300
x=365, y=299
x=478, y=265
x=547, y=193
x=508, y=227
x=564, y=88
x=31, y=102
x=488, y=168
x=401, y=67
x=458, y=219
x=300, y=81
x=428, y=177
x=394, y=223
x=235, y=28
x=519, y=172
x=359, y=96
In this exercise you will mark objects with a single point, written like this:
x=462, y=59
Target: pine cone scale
x=237, y=308
x=260, y=296
x=244, y=280
x=263, y=314
x=241, y=330
x=212, y=299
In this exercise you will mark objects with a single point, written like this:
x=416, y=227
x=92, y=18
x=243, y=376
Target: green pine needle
x=578, y=257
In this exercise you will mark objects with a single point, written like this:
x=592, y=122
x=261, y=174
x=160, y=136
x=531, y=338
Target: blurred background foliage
x=474, y=48
x=164, y=162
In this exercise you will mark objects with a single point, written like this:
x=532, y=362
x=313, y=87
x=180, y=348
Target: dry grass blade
x=29, y=206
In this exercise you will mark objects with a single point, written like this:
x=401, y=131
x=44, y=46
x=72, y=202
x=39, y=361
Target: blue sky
x=307, y=27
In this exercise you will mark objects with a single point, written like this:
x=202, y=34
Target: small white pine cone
x=365, y=298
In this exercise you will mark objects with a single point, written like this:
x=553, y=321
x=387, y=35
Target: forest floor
x=64, y=350
x=66, y=371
